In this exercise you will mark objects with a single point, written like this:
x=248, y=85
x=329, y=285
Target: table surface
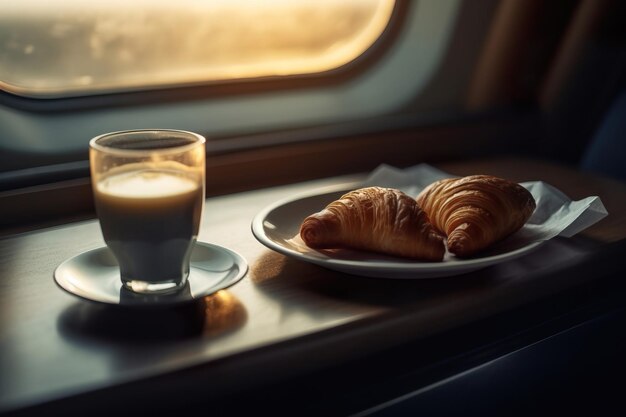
x=54, y=346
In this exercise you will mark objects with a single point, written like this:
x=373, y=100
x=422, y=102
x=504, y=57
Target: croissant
x=374, y=219
x=476, y=211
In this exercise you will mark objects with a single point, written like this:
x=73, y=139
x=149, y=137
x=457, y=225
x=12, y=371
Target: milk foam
x=146, y=184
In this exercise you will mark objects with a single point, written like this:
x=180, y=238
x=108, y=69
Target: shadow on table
x=287, y=278
x=211, y=316
x=296, y=283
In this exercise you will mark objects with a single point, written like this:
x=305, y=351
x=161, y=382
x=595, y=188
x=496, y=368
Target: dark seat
x=606, y=153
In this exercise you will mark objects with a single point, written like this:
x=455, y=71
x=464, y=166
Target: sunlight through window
x=52, y=48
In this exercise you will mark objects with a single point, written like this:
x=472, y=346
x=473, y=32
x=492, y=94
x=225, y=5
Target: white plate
x=278, y=226
x=94, y=275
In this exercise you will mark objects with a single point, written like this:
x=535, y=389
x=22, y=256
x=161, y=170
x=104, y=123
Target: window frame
x=45, y=167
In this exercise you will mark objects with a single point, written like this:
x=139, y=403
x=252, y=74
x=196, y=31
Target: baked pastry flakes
x=376, y=219
x=476, y=211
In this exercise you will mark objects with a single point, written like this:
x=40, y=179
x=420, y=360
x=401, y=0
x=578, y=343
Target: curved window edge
x=28, y=99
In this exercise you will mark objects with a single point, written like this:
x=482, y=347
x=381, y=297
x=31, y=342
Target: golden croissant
x=476, y=211
x=375, y=219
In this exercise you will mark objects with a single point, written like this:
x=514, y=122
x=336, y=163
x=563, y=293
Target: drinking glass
x=148, y=188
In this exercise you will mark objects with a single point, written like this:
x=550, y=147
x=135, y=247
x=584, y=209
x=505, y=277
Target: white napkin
x=555, y=215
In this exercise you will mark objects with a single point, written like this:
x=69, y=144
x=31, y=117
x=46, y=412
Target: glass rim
x=197, y=141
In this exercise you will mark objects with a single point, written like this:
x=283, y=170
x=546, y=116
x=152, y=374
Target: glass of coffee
x=148, y=189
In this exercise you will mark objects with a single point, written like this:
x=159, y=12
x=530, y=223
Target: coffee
x=150, y=217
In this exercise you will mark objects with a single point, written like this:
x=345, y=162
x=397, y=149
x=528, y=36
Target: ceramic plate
x=94, y=276
x=278, y=225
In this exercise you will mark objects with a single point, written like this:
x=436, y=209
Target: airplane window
x=59, y=49
x=413, y=68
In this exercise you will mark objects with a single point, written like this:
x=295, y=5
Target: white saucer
x=94, y=276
